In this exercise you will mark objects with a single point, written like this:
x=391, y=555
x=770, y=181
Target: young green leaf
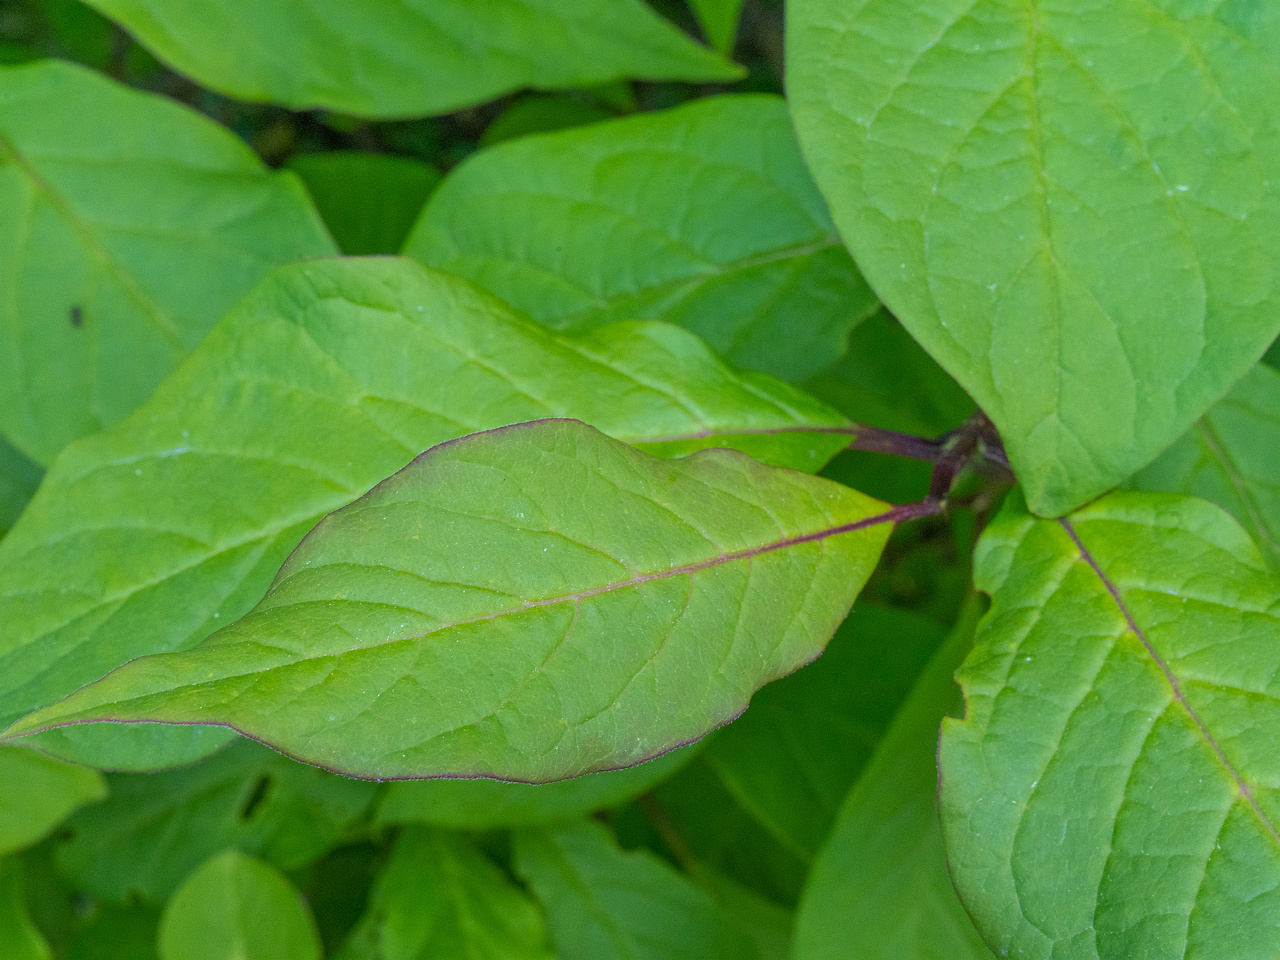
x=38, y=793
x=879, y=890
x=1114, y=784
x=330, y=377
x=19, y=938
x=719, y=21
x=703, y=216
x=606, y=904
x=531, y=603
x=410, y=59
x=1232, y=457
x=487, y=804
x=157, y=827
x=792, y=757
x=235, y=907
x=19, y=477
x=439, y=899
x=1071, y=205
x=128, y=225
x=369, y=201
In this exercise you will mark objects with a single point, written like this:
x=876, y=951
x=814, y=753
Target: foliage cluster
x=435, y=435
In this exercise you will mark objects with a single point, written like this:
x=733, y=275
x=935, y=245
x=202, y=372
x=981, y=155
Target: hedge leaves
x=1071, y=205
x=531, y=603
x=128, y=226
x=703, y=216
x=411, y=58
x=1115, y=782
x=330, y=377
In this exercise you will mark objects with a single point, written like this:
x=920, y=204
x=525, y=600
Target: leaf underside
x=1070, y=205
x=1115, y=783
x=531, y=603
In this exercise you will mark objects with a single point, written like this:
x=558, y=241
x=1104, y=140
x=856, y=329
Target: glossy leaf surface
x=330, y=377
x=1113, y=790
x=533, y=603
x=606, y=904
x=792, y=757
x=440, y=898
x=128, y=226
x=1071, y=205
x=414, y=58
x=703, y=216
x=879, y=889
x=235, y=907
x=1232, y=457
x=369, y=201
x=37, y=792
x=158, y=827
x=489, y=804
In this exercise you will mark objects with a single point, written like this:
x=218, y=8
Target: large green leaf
x=410, y=58
x=532, y=603
x=487, y=804
x=1113, y=791
x=128, y=226
x=439, y=898
x=235, y=907
x=38, y=792
x=1232, y=457
x=879, y=890
x=792, y=757
x=606, y=904
x=330, y=377
x=704, y=216
x=157, y=827
x=19, y=937
x=1071, y=205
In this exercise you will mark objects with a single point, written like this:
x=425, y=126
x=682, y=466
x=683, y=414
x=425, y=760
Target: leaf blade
x=1042, y=207
x=1163, y=623
x=413, y=59
x=439, y=579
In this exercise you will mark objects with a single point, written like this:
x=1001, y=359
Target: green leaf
x=606, y=904
x=19, y=938
x=703, y=216
x=38, y=793
x=1232, y=457
x=768, y=924
x=235, y=907
x=410, y=59
x=133, y=747
x=488, y=804
x=19, y=477
x=719, y=21
x=157, y=827
x=885, y=379
x=369, y=201
x=792, y=757
x=151, y=536
x=128, y=226
x=452, y=621
x=879, y=890
x=1113, y=790
x=439, y=899
x=1071, y=206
